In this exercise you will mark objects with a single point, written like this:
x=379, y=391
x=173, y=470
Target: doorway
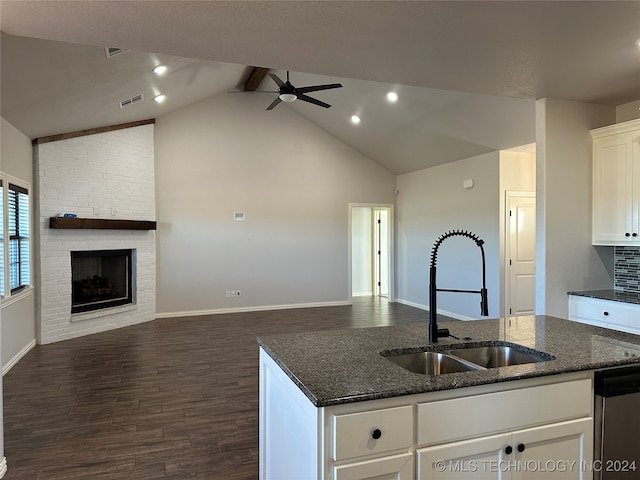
x=520, y=261
x=370, y=249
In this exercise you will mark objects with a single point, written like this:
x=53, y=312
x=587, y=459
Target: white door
x=371, y=247
x=477, y=459
x=613, y=215
x=381, y=252
x=559, y=451
x=521, y=254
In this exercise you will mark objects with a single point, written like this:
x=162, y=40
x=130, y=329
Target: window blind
x=19, y=254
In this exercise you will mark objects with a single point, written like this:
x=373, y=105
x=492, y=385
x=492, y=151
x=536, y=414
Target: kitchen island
x=332, y=407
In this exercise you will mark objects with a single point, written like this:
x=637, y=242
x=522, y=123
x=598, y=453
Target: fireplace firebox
x=101, y=279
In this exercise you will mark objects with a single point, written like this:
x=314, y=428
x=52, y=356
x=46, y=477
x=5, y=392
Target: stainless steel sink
x=494, y=356
x=430, y=363
x=466, y=358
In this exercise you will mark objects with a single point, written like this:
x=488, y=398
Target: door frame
x=391, y=297
x=507, y=244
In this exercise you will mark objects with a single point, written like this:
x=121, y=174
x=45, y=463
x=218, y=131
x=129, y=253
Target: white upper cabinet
x=616, y=184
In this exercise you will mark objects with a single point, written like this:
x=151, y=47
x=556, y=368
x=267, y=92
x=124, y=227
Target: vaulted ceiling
x=466, y=73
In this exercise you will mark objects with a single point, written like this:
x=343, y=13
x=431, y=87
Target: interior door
x=381, y=251
x=521, y=254
x=371, y=250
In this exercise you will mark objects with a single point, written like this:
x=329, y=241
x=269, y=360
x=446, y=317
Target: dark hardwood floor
x=169, y=399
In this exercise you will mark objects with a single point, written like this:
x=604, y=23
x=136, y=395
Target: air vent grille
x=113, y=51
x=130, y=101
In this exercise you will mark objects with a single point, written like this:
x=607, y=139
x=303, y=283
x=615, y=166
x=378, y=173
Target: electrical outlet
x=233, y=293
x=228, y=293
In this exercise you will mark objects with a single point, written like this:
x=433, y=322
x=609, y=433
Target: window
x=15, y=242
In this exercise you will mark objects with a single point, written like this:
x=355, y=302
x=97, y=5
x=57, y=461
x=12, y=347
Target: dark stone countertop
x=613, y=295
x=342, y=366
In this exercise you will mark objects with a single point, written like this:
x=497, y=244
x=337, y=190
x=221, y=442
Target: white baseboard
x=217, y=311
x=16, y=358
x=3, y=467
x=457, y=316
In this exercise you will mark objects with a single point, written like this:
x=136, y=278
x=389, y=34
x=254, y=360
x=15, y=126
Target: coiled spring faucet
x=434, y=331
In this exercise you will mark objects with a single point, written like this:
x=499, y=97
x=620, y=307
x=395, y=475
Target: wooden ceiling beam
x=255, y=77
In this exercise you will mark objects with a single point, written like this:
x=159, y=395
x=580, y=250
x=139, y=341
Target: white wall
x=292, y=180
x=565, y=259
x=17, y=335
x=18, y=317
x=432, y=202
x=628, y=111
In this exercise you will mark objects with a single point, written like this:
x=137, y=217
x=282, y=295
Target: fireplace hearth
x=101, y=279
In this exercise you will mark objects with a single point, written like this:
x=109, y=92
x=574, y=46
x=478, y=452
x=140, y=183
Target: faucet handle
x=484, y=307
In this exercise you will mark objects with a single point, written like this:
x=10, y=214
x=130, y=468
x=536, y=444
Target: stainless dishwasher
x=617, y=424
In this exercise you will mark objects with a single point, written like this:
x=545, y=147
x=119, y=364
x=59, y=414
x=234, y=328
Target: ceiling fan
x=288, y=93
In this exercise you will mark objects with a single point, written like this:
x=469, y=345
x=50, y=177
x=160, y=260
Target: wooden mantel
x=100, y=223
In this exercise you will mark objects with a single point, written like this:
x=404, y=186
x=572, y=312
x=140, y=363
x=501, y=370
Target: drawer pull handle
x=376, y=434
x=606, y=314
x=508, y=449
x=521, y=447
x=627, y=234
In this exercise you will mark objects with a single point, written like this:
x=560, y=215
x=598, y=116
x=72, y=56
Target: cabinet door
x=562, y=451
x=478, y=459
x=613, y=182
x=395, y=467
x=588, y=310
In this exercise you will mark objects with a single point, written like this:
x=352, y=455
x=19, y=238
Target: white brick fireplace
x=106, y=175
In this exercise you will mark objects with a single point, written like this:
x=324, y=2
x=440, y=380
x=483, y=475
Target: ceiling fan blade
x=253, y=91
x=306, y=98
x=276, y=79
x=274, y=104
x=316, y=88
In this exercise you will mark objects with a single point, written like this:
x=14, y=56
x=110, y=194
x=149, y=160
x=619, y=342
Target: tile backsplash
x=626, y=269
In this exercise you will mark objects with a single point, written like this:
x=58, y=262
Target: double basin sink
x=465, y=358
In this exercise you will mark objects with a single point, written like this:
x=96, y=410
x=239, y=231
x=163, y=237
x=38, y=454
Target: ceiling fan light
x=287, y=97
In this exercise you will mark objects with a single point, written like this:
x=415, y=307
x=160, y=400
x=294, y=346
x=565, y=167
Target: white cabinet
x=552, y=449
x=371, y=432
x=472, y=459
x=616, y=184
x=405, y=438
x=561, y=450
x=395, y=467
x=499, y=435
x=605, y=313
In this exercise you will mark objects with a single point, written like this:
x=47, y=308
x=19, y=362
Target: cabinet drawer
x=353, y=434
x=468, y=417
x=605, y=313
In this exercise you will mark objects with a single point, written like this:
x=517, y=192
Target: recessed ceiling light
x=160, y=98
x=160, y=70
x=355, y=119
x=392, y=96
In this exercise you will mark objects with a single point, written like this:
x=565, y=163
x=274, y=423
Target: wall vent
x=131, y=101
x=113, y=51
